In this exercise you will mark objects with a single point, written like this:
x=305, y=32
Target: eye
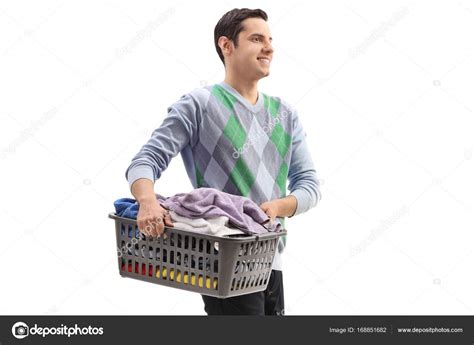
x=257, y=39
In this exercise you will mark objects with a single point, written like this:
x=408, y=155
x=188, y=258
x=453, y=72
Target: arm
x=303, y=181
x=151, y=218
x=142, y=190
x=179, y=128
x=283, y=207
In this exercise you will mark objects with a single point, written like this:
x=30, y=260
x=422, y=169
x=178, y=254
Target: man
x=235, y=139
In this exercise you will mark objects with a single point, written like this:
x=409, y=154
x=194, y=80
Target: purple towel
x=207, y=203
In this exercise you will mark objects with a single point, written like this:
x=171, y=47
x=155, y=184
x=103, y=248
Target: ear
x=226, y=45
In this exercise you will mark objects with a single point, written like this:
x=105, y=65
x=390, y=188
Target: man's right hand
x=152, y=218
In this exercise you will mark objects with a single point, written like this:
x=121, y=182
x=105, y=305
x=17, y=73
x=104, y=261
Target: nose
x=269, y=48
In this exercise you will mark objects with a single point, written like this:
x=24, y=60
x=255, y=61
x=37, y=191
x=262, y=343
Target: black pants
x=267, y=302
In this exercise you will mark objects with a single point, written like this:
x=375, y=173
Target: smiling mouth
x=264, y=60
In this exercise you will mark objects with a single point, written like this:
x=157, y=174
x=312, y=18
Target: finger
x=271, y=217
x=145, y=229
x=151, y=228
x=160, y=227
x=168, y=221
x=141, y=227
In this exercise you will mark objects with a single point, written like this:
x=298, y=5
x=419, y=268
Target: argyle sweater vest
x=241, y=152
x=234, y=146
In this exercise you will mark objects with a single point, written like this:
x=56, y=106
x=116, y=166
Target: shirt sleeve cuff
x=138, y=172
x=303, y=200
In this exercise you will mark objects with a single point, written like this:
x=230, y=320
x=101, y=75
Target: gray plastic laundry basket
x=210, y=265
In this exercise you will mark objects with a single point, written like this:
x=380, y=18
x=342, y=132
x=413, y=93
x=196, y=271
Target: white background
x=384, y=91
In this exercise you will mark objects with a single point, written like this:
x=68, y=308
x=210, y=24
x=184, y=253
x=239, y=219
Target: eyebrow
x=260, y=35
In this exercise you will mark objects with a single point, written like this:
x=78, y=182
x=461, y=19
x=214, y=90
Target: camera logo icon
x=20, y=330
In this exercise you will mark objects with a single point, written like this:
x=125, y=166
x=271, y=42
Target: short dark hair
x=230, y=25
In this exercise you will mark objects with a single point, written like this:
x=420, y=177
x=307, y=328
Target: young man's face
x=254, y=52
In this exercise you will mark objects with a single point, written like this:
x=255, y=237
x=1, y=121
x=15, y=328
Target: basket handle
x=264, y=236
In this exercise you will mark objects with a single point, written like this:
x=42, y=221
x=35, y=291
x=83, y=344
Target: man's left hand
x=271, y=209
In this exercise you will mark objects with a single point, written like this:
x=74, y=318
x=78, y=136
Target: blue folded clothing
x=126, y=208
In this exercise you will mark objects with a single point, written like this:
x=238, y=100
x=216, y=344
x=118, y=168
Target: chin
x=262, y=74
x=264, y=71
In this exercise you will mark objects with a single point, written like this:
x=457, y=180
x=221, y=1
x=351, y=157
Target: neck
x=248, y=89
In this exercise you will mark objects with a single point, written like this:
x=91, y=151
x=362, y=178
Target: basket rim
x=243, y=239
